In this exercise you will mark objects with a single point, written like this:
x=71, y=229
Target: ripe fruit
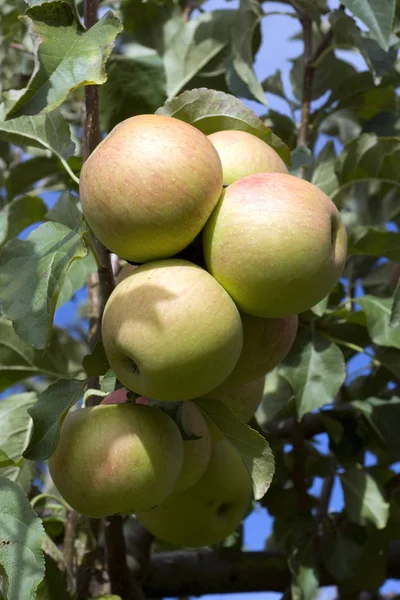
x=120, y=458
x=265, y=344
x=243, y=400
x=245, y=154
x=118, y=397
x=171, y=332
x=150, y=186
x=208, y=512
x=196, y=452
x=276, y=243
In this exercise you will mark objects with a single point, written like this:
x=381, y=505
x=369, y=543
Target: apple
x=276, y=243
x=209, y=511
x=265, y=344
x=118, y=397
x=124, y=271
x=150, y=186
x=243, y=400
x=117, y=458
x=171, y=332
x=196, y=452
x=243, y=154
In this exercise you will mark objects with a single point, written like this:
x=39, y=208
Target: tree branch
x=100, y=287
x=195, y=573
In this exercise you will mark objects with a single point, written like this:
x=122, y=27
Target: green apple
x=118, y=458
x=265, y=344
x=209, y=511
x=245, y=154
x=243, y=400
x=196, y=452
x=276, y=243
x=171, y=332
x=150, y=186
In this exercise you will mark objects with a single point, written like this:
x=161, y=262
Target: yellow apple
x=196, y=452
x=117, y=458
x=276, y=243
x=265, y=344
x=243, y=399
x=245, y=154
x=209, y=511
x=171, y=332
x=150, y=186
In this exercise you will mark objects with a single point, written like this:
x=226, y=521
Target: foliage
x=342, y=376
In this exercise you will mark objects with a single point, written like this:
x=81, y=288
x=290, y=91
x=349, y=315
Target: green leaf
x=76, y=278
x=384, y=415
x=253, y=447
x=27, y=173
x=347, y=34
x=240, y=75
x=304, y=568
x=50, y=131
x=395, y=314
x=54, y=584
x=364, y=502
x=21, y=534
x=301, y=157
x=15, y=428
x=66, y=56
x=369, y=158
x=96, y=363
x=371, y=241
x=276, y=397
x=32, y=273
x=315, y=369
x=108, y=381
x=135, y=85
x=324, y=176
x=390, y=358
x=48, y=413
x=378, y=312
x=19, y=361
x=341, y=554
x=329, y=73
x=193, y=46
x=67, y=210
x=212, y=111
x=377, y=15
x=6, y=461
x=19, y=214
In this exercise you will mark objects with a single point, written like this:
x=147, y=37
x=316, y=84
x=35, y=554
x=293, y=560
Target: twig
x=100, y=288
x=69, y=540
x=195, y=573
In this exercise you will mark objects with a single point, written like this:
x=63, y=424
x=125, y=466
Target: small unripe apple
x=171, y=332
x=119, y=458
x=196, y=452
x=243, y=154
x=243, y=400
x=209, y=511
x=276, y=243
x=149, y=187
x=265, y=344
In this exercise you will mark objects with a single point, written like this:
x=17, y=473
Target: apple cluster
x=273, y=246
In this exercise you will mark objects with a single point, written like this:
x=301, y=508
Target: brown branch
x=69, y=540
x=195, y=573
x=100, y=288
